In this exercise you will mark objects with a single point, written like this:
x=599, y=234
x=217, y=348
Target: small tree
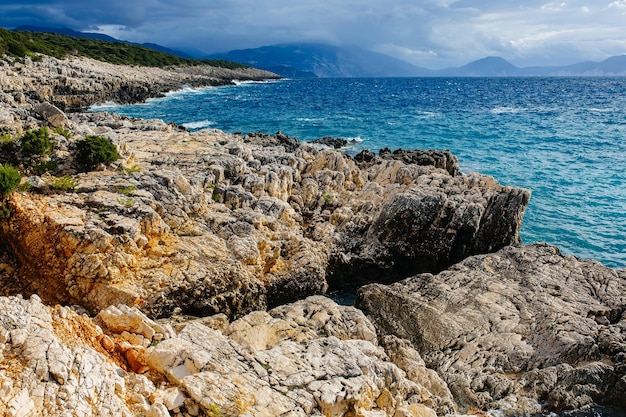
x=10, y=179
x=95, y=150
x=36, y=142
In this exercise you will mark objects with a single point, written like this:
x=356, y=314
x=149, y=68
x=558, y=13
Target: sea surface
x=562, y=138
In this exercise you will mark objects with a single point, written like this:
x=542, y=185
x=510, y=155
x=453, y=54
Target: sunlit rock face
x=310, y=358
x=522, y=330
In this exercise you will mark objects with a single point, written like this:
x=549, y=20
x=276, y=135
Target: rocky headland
x=75, y=83
x=187, y=278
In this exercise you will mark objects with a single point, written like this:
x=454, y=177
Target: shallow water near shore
x=563, y=138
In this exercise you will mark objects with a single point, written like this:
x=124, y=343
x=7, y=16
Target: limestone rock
x=311, y=357
x=439, y=159
x=523, y=330
x=50, y=364
x=321, y=359
x=53, y=116
x=123, y=318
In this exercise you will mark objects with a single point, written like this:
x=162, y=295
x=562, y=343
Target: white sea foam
x=109, y=105
x=244, y=82
x=186, y=90
x=355, y=139
x=198, y=125
x=504, y=110
x=310, y=119
x=426, y=114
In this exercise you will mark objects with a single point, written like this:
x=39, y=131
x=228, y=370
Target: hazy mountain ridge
x=499, y=67
x=323, y=61
x=333, y=61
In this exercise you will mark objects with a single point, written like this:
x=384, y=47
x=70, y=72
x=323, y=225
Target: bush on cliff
x=10, y=179
x=36, y=142
x=95, y=150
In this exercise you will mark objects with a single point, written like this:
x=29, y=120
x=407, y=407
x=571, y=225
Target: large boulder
x=524, y=330
x=52, y=115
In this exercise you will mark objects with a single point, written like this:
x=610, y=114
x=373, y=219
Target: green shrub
x=127, y=191
x=45, y=166
x=5, y=210
x=7, y=143
x=6, y=139
x=94, y=150
x=36, y=142
x=16, y=48
x=64, y=183
x=59, y=130
x=23, y=43
x=127, y=202
x=10, y=179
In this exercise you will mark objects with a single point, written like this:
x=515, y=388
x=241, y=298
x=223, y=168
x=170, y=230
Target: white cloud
x=414, y=56
x=618, y=4
x=553, y=6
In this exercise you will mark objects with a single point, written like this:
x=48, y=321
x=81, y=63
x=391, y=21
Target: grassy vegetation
x=21, y=44
x=64, y=183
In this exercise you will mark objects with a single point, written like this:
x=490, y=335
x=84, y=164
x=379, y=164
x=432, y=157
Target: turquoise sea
x=563, y=138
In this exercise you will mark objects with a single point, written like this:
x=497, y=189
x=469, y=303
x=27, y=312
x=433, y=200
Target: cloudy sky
x=428, y=33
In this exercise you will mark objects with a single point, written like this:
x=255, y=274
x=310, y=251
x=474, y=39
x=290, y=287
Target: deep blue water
x=563, y=138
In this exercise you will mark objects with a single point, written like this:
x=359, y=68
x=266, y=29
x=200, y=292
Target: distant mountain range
x=102, y=37
x=499, y=67
x=303, y=60
x=300, y=60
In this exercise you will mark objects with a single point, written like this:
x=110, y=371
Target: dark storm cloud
x=431, y=33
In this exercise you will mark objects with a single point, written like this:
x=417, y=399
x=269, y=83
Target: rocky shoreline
x=187, y=278
x=76, y=83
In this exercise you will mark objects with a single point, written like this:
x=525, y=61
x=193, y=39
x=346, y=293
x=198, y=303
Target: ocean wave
x=244, y=82
x=108, y=105
x=186, y=90
x=198, y=125
x=425, y=114
x=599, y=110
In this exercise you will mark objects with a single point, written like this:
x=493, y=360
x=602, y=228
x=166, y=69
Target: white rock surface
x=310, y=358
